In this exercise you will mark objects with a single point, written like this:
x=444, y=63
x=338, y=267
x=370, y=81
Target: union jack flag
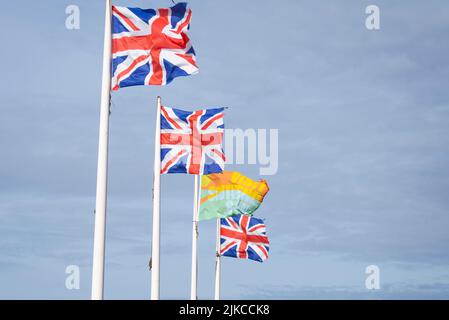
x=191, y=142
x=151, y=46
x=244, y=237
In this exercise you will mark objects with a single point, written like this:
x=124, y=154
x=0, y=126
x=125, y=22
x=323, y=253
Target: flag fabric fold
x=151, y=46
x=229, y=193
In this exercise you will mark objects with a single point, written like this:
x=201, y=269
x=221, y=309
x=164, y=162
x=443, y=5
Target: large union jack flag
x=191, y=142
x=151, y=46
x=244, y=237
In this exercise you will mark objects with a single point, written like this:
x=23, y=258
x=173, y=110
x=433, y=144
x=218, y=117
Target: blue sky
x=363, y=120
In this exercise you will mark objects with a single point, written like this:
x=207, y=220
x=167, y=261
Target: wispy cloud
x=363, y=121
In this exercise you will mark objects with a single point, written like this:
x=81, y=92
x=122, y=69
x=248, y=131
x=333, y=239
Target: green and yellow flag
x=229, y=193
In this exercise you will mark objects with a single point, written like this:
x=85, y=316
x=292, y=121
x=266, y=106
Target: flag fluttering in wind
x=244, y=237
x=191, y=142
x=151, y=46
x=232, y=198
x=229, y=193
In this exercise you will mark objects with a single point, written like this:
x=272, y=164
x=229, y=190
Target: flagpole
x=217, y=261
x=155, y=244
x=102, y=166
x=194, y=279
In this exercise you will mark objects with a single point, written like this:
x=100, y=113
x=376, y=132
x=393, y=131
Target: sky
x=362, y=179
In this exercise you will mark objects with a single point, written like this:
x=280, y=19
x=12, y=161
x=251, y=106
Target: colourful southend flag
x=151, y=46
x=191, y=142
x=244, y=237
x=229, y=193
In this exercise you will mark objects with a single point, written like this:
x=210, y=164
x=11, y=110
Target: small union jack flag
x=191, y=142
x=244, y=237
x=151, y=46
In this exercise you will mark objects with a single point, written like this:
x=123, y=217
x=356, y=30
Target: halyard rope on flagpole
x=102, y=166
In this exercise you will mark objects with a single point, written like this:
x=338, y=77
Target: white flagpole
x=102, y=168
x=194, y=279
x=217, y=262
x=155, y=244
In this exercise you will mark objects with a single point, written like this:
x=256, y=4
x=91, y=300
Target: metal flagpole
x=102, y=167
x=217, y=261
x=155, y=244
x=194, y=281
